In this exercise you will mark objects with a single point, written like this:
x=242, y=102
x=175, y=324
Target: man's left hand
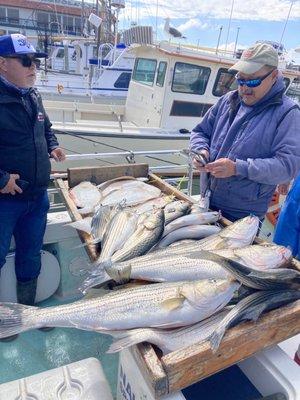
x=58, y=154
x=221, y=168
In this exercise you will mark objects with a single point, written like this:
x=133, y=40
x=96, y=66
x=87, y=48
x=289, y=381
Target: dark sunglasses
x=27, y=61
x=252, y=82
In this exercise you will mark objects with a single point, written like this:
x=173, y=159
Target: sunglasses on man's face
x=27, y=61
x=251, y=82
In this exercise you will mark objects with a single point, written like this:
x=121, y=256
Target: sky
x=200, y=21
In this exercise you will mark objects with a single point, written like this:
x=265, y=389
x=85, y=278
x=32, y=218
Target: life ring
x=48, y=280
x=274, y=209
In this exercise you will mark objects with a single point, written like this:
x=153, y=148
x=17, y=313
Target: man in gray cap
x=250, y=138
x=26, y=143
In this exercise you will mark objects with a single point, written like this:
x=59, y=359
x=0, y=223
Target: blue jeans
x=25, y=220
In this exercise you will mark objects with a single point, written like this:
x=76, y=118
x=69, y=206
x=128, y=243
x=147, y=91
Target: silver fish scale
x=171, y=339
x=99, y=221
x=133, y=307
x=179, y=268
x=142, y=240
x=119, y=229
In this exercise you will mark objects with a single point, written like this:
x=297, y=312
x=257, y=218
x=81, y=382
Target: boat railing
x=184, y=168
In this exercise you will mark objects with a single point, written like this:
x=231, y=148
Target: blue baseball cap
x=17, y=44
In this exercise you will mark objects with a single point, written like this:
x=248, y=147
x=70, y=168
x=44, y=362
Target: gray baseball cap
x=256, y=57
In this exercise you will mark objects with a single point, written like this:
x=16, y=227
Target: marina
x=145, y=291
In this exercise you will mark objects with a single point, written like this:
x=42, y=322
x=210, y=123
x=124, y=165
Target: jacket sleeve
x=201, y=134
x=51, y=139
x=4, y=178
x=284, y=165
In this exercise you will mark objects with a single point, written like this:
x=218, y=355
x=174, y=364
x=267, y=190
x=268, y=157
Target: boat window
x=190, y=78
x=189, y=109
x=60, y=53
x=287, y=82
x=224, y=83
x=161, y=73
x=144, y=71
x=123, y=80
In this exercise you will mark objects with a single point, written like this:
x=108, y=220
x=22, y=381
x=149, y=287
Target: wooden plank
x=84, y=237
x=151, y=368
x=187, y=366
x=168, y=189
x=98, y=175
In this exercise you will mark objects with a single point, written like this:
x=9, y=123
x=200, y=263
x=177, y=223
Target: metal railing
x=130, y=156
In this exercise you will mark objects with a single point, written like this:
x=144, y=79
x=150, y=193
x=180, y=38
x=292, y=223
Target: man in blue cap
x=26, y=143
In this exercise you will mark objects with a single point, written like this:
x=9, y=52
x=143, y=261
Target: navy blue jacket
x=26, y=139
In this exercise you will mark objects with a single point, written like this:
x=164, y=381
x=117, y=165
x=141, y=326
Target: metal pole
x=116, y=34
x=286, y=21
x=82, y=16
x=219, y=38
x=190, y=176
x=236, y=40
x=229, y=25
x=156, y=20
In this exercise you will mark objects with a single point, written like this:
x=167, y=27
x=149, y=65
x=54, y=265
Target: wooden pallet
x=184, y=367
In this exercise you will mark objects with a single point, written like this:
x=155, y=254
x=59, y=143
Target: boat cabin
x=172, y=86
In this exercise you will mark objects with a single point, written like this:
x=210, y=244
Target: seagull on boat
x=172, y=31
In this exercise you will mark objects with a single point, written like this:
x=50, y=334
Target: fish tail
x=119, y=274
x=133, y=337
x=13, y=319
x=92, y=281
x=98, y=267
x=216, y=338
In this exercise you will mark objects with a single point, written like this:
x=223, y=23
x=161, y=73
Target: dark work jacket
x=26, y=140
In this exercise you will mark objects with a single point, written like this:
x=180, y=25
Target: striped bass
x=277, y=278
x=119, y=229
x=158, y=305
x=250, y=308
x=259, y=256
x=168, y=340
x=189, y=232
x=192, y=219
x=241, y=233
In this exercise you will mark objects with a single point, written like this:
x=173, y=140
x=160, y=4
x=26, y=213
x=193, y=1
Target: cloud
x=193, y=23
x=268, y=10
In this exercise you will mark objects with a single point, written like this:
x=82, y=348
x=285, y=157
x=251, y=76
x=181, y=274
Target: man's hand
x=11, y=186
x=283, y=188
x=58, y=154
x=198, y=165
x=221, y=168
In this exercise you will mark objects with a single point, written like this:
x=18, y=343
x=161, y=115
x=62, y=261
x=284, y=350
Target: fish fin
x=13, y=319
x=220, y=246
x=82, y=225
x=120, y=275
x=253, y=315
x=133, y=337
x=216, y=338
x=95, y=293
x=172, y=304
x=92, y=281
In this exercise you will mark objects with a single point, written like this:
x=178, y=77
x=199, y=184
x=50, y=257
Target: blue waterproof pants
x=26, y=221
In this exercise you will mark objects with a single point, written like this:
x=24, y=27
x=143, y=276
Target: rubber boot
x=26, y=292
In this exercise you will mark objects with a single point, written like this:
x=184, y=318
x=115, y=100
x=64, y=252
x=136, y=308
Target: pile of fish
x=199, y=288
x=130, y=218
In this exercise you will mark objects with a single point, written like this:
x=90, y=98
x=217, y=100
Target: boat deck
x=37, y=351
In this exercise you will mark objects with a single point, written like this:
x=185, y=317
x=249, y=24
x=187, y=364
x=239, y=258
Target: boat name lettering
x=125, y=387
